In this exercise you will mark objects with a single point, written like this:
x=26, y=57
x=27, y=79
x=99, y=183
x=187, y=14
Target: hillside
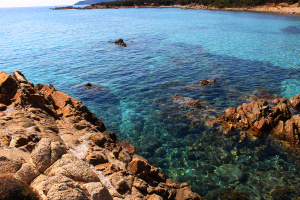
x=210, y=3
x=88, y=2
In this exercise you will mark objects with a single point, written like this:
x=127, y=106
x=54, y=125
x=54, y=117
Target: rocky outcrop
x=53, y=143
x=295, y=101
x=258, y=118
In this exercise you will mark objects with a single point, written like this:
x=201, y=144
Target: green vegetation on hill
x=215, y=3
x=88, y=2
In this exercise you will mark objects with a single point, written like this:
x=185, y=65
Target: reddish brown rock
x=120, y=183
x=154, y=197
x=27, y=173
x=74, y=168
x=99, y=139
x=46, y=153
x=125, y=156
x=96, y=157
x=97, y=191
x=140, y=184
x=10, y=164
x=126, y=145
x=101, y=166
x=7, y=87
x=18, y=76
x=139, y=167
x=292, y=130
x=195, y=103
x=295, y=101
x=136, y=194
x=186, y=193
x=66, y=191
x=171, y=183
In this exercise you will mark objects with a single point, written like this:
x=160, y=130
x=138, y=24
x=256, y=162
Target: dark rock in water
x=187, y=101
x=207, y=82
x=119, y=42
x=88, y=85
x=94, y=88
x=262, y=94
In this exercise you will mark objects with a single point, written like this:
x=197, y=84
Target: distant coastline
x=281, y=8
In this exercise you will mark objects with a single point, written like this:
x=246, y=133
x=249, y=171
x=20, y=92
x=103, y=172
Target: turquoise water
x=169, y=51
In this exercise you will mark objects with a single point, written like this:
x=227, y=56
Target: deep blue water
x=169, y=51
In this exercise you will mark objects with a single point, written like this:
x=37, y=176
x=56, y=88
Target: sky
x=33, y=3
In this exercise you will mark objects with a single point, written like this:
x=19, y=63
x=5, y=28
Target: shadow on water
x=291, y=30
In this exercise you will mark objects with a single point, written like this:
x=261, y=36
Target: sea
x=142, y=92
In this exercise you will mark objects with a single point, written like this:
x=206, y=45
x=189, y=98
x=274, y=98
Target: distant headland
x=280, y=8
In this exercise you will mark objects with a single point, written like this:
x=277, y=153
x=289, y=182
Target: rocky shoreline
x=281, y=8
x=53, y=147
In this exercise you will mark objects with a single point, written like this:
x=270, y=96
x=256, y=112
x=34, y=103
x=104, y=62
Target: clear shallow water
x=169, y=51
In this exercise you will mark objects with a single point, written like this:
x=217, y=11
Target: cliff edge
x=53, y=143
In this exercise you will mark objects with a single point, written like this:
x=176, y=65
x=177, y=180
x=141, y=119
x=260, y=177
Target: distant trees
x=215, y=3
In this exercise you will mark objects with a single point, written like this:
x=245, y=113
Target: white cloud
x=32, y=3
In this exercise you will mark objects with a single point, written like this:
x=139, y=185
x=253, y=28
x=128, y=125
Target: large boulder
x=10, y=163
x=46, y=153
x=74, y=168
x=27, y=173
x=139, y=167
x=66, y=191
x=186, y=193
x=292, y=130
x=97, y=191
x=7, y=86
x=295, y=101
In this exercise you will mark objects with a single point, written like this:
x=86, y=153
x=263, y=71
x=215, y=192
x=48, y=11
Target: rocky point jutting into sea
x=281, y=8
x=53, y=147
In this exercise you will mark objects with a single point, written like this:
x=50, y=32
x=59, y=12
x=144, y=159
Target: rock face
x=258, y=118
x=53, y=143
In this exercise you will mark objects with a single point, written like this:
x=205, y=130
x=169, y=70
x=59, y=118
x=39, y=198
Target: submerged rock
x=229, y=173
x=93, y=88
